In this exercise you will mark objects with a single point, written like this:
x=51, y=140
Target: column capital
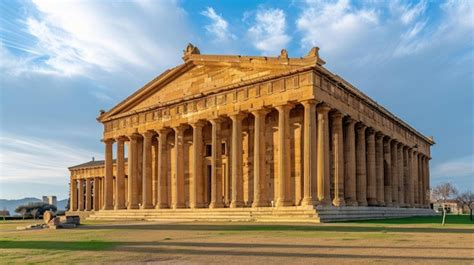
x=108, y=140
x=308, y=102
x=361, y=127
x=121, y=138
x=216, y=120
x=148, y=134
x=370, y=130
x=197, y=124
x=350, y=121
x=379, y=136
x=284, y=107
x=260, y=112
x=180, y=128
x=323, y=108
x=133, y=136
x=337, y=114
x=237, y=116
x=164, y=130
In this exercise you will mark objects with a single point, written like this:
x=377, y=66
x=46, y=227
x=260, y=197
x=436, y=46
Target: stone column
x=73, y=196
x=147, y=173
x=80, y=207
x=163, y=169
x=216, y=163
x=406, y=177
x=96, y=194
x=409, y=180
x=283, y=155
x=422, y=190
x=394, y=173
x=427, y=172
x=120, y=177
x=387, y=149
x=196, y=195
x=371, y=170
x=88, y=195
x=338, y=151
x=415, y=179
x=350, y=181
x=379, y=169
x=133, y=173
x=108, y=185
x=401, y=182
x=420, y=181
x=361, y=166
x=324, y=195
x=237, y=188
x=177, y=182
x=259, y=167
x=310, y=152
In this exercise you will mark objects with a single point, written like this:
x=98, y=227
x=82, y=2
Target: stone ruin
x=54, y=222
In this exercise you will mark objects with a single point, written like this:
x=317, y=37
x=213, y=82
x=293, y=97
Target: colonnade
x=333, y=159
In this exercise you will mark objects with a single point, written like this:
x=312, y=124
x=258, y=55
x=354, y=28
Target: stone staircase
x=291, y=214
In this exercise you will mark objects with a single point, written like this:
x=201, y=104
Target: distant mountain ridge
x=10, y=205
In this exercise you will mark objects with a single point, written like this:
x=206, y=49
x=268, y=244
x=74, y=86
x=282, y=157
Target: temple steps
x=289, y=214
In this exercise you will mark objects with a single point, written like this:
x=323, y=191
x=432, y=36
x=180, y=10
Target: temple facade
x=252, y=132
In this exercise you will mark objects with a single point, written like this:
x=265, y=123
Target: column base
x=388, y=204
x=213, y=205
x=236, y=204
x=178, y=206
x=395, y=204
x=108, y=207
x=362, y=203
x=120, y=207
x=283, y=203
x=372, y=202
x=162, y=206
x=256, y=204
x=133, y=207
x=351, y=202
x=198, y=205
x=146, y=206
x=308, y=201
x=338, y=202
x=380, y=203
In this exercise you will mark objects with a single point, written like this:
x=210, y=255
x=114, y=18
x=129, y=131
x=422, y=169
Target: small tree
x=466, y=198
x=34, y=212
x=442, y=193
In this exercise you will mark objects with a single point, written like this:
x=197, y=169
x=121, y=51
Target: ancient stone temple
x=253, y=138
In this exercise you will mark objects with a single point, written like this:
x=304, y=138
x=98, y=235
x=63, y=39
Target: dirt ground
x=240, y=243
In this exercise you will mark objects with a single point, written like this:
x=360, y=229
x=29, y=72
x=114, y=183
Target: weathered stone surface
x=47, y=216
x=249, y=131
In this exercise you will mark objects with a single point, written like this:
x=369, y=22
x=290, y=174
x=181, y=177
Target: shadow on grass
x=259, y=227
x=434, y=220
x=227, y=249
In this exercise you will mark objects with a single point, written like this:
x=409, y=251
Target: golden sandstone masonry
x=226, y=137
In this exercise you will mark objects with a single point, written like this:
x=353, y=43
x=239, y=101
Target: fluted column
x=427, y=184
x=422, y=190
x=283, y=160
x=259, y=167
x=324, y=183
x=120, y=176
x=96, y=194
x=415, y=179
x=387, y=149
x=133, y=173
x=177, y=182
x=338, y=151
x=163, y=169
x=420, y=181
x=88, y=195
x=147, y=173
x=108, y=185
x=371, y=170
x=237, y=188
x=73, y=195
x=350, y=181
x=394, y=173
x=196, y=195
x=401, y=182
x=379, y=169
x=216, y=164
x=310, y=153
x=411, y=196
x=406, y=177
x=361, y=166
x=80, y=206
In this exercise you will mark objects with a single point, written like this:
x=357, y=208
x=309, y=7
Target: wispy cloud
x=268, y=31
x=459, y=167
x=69, y=38
x=219, y=27
x=36, y=160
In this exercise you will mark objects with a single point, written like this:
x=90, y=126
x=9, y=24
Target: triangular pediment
x=203, y=74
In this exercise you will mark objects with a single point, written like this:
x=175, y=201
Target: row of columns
x=367, y=167
x=86, y=194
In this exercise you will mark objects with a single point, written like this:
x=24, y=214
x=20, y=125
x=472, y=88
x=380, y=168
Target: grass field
x=418, y=240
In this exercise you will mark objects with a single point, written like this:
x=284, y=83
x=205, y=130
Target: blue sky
x=63, y=61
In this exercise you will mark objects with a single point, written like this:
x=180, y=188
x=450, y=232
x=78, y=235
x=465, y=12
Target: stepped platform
x=290, y=214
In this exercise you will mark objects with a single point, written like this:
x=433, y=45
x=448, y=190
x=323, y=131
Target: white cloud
x=78, y=37
x=460, y=167
x=36, y=160
x=219, y=27
x=268, y=32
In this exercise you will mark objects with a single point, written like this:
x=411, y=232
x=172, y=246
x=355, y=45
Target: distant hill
x=10, y=205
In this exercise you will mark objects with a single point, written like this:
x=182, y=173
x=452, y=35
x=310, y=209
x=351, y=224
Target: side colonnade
x=301, y=153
